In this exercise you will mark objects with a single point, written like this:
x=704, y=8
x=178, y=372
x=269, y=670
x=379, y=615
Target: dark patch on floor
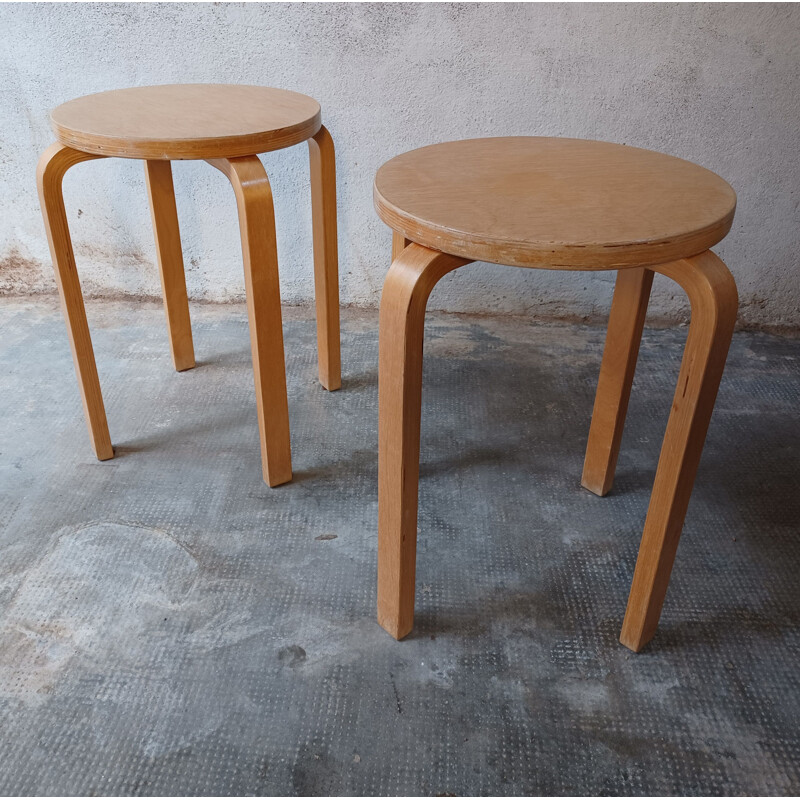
x=170, y=625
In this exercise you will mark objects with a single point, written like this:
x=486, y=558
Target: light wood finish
x=326, y=259
x=562, y=204
x=227, y=125
x=256, y=219
x=53, y=165
x=714, y=302
x=712, y=293
x=402, y=318
x=625, y=324
x=399, y=243
x=164, y=213
x=556, y=203
x=257, y=224
x=186, y=121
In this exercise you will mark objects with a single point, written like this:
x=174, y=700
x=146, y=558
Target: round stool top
x=556, y=203
x=186, y=121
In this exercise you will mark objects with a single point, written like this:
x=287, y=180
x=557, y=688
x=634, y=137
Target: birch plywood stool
x=227, y=126
x=554, y=204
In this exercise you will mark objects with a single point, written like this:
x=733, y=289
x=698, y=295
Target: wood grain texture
x=563, y=204
x=186, y=121
x=625, y=324
x=399, y=243
x=714, y=302
x=257, y=225
x=402, y=317
x=326, y=258
x=164, y=213
x=53, y=165
x=225, y=125
x=713, y=296
x=554, y=203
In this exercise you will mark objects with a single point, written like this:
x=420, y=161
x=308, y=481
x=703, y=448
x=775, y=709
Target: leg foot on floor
x=53, y=165
x=326, y=259
x=259, y=249
x=714, y=301
x=164, y=213
x=628, y=309
x=402, y=318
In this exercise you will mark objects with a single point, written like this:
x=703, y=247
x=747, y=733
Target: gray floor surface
x=170, y=625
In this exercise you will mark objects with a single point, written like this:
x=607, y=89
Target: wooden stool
x=226, y=126
x=554, y=204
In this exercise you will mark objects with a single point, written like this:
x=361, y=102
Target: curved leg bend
x=714, y=302
x=164, y=213
x=259, y=250
x=625, y=324
x=326, y=258
x=402, y=318
x=53, y=165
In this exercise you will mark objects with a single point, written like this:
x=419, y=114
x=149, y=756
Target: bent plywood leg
x=402, y=317
x=399, y=243
x=714, y=300
x=326, y=259
x=628, y=309
x=53, y=165
x=257, y=225
x=164, y=213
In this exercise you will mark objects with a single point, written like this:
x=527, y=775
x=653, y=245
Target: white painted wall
x=716, y=84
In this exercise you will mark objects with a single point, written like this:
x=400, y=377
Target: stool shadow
x=469, y=457
x=764, y=505
x=725, y=629
x=182, y=432
x=359, y=463
x=367, y=380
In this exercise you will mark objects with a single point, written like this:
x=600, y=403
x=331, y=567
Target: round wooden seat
x=554, y=203
x=186, y=121
x=228, y=126
x=560, y=204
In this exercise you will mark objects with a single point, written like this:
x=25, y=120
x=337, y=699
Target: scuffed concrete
x=717, y=84
x=170, y=625
x=43, y=630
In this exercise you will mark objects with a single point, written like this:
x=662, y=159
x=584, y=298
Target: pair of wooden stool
x=527, y=202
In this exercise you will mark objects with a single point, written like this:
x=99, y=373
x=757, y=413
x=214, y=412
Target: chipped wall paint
x=717, y=84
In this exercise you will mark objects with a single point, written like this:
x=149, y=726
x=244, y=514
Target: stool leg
x=326, y=259
x=257, y=225
x=164, y=213
x=402, y=318
x=714, y=301
x=53, y=165
x=628, y=309
x=399, y=243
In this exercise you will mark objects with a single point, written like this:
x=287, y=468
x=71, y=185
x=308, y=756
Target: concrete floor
x=169, y=625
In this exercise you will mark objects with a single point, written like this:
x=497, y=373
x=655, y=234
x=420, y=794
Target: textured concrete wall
x=714, y=84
